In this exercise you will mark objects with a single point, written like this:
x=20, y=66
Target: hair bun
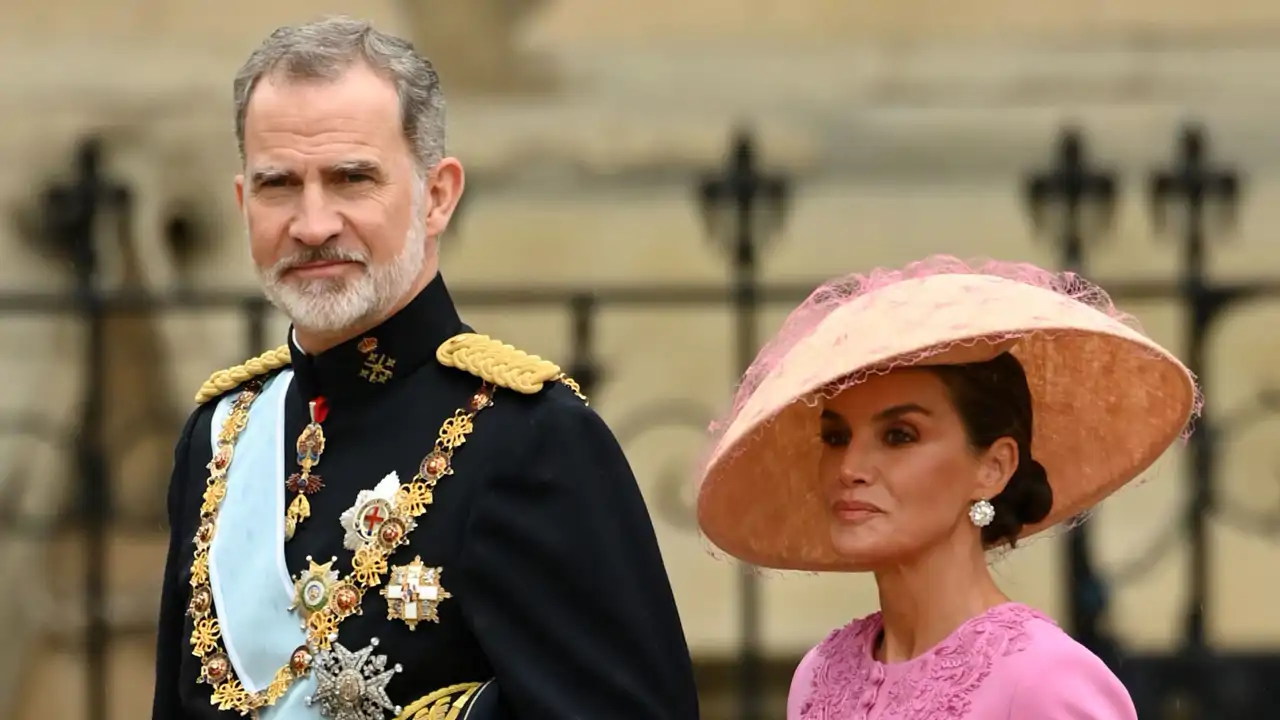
x=1034, y=494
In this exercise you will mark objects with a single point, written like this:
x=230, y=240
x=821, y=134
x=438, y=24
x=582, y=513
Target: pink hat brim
x=1107, y=402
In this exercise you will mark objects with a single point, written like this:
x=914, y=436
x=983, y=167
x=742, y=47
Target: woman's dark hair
x=993, y=401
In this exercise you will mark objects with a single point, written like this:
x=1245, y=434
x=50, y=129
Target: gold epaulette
x=500, y=364
x=233, y=377
x=444, y=704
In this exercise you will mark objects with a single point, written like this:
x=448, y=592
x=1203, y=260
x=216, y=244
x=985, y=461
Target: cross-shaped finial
x=1073, y=191
x=70, y=210
x=757, y=200
x=1195, y=183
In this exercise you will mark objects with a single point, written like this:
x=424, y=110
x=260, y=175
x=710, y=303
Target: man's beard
x=330, y=305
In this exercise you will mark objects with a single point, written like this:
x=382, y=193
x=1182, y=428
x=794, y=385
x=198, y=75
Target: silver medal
x=353, y=685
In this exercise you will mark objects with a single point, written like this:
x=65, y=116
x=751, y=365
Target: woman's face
x=898, y=471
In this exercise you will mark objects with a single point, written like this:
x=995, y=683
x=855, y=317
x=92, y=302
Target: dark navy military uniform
x=557, y=590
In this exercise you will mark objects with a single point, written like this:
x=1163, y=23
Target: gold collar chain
x=344, y=597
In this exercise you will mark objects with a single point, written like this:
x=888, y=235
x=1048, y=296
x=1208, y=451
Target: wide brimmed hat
x=1107, y=400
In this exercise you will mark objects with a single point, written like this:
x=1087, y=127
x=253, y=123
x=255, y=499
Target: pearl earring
x=981, y=513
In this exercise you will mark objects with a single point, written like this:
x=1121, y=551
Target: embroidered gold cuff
x=447, y=703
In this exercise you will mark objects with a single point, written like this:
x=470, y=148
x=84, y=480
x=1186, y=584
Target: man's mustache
x=324, y=253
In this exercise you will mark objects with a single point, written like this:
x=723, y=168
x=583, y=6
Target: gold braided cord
x=489, y=359
x=573, y=386
x=233, y=377
x=497, y=363
x=443, y=704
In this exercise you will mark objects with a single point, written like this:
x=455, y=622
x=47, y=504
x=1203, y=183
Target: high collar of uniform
x=375, y=361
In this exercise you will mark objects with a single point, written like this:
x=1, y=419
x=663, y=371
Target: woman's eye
x=835, y=438
x=898, y=436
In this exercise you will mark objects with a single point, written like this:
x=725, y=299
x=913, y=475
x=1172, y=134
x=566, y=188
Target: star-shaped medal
x=353, y=685
x=312, y=589
x=376, y=517
x=372, y=508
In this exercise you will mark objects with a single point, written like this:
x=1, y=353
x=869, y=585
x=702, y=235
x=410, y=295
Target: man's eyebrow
x=267, y=174
x=352, y=167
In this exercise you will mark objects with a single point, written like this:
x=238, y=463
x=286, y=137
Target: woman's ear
x=999, y=463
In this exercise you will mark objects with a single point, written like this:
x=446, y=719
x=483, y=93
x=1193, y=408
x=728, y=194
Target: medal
x=313, y=589
x=377, y=518
x=353, y=685
x=310, y=447
x=414, y=593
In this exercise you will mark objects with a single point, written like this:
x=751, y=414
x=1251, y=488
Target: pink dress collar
x=848, y=683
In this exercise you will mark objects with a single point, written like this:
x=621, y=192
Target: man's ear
x=444, y=190
x=240, y=192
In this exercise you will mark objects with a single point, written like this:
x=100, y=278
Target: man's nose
x=317, y=222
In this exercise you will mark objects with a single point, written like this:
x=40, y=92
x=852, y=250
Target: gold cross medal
x=376, y=518
x=414, y=593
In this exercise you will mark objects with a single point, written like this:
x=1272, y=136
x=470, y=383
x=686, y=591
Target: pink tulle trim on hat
x=835, y=293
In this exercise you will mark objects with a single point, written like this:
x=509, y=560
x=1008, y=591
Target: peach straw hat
x=1107, y=400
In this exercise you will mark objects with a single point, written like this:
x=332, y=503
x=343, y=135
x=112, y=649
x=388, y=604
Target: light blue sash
x=251, y=587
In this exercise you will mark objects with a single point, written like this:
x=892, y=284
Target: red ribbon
x=321, y=409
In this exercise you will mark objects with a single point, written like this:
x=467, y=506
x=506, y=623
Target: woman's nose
x=855, y=470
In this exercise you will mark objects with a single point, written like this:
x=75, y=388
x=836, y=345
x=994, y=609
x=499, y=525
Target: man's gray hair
x=325, y=49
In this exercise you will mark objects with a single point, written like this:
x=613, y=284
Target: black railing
x=1204, y=196
x=744, y=207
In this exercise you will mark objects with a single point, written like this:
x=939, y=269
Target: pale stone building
x=906, y=127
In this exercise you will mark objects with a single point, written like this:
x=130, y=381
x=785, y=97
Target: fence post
x=71, y=213
x=584, y=367
x=1075, y=192
x=1199, y=187
x=756, y=203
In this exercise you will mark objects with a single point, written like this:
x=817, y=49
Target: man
x=391, y=516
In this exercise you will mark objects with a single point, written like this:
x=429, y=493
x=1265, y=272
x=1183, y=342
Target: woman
x=908, y=422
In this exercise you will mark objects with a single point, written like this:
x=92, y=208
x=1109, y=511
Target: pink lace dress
x=1010, y=663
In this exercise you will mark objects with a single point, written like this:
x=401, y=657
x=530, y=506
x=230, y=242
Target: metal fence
x=743, y=205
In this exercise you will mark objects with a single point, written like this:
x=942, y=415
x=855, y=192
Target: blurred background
x=651, y=187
